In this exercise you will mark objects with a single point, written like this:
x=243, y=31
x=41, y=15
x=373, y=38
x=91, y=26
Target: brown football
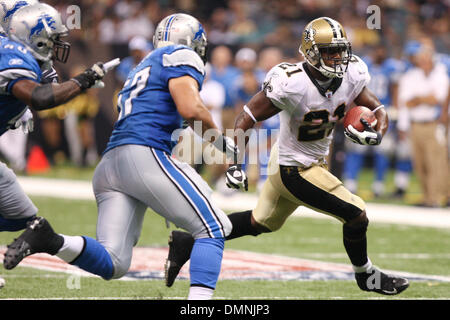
x=355, y=114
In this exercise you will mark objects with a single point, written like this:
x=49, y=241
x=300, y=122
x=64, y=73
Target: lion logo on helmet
x=16, y=7
x=37, y=29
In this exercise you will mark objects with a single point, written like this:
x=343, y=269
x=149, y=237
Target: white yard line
x=385, y=213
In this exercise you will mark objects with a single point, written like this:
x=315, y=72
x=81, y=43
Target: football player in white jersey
x=310, y=98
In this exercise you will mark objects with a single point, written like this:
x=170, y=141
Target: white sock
x=401, y=179
x=71, y=248
x=200, y=293
x=363, y=268
x=378, y=187
x=351, y=185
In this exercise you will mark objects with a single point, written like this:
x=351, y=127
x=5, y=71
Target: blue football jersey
x=382, y=78
x=16, y=63
x=147, y=113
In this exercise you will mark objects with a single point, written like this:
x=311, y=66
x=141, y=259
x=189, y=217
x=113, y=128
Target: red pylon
x=37, y=161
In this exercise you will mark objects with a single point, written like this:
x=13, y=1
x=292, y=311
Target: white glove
x=25, y=121
x=92, y=77
x=368, y=137
x=236, y=178
x=106, y=68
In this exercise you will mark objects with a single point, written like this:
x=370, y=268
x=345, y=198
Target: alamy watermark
x=73, y=20
x=192, y=146
x=374, y=19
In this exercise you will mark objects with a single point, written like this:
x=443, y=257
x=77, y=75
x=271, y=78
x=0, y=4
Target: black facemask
x=61, y=50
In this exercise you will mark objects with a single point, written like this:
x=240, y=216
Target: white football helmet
x=182, y=29
x=39, y=28
x=8, y=8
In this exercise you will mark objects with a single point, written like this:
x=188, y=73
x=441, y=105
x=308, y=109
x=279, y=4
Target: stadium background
x=107, y=26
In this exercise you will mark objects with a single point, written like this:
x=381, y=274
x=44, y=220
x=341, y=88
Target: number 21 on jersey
x=311, y=132
x=131, y=90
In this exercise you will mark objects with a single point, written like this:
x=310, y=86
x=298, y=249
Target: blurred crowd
x=246, y=39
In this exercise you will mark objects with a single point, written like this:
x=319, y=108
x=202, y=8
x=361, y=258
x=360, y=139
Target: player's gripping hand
x=25, y=121
x=90, y=77
x=236, y=178
x=228, y=147
x=49, y=76
x=367, y=137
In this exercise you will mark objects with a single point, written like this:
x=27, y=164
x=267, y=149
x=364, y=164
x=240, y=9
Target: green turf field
x=402, y=248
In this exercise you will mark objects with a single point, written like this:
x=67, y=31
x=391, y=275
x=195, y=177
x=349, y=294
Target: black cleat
x=37, y=237
x=180, y=248
x=376, y=281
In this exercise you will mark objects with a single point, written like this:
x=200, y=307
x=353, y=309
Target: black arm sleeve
x=43, y=97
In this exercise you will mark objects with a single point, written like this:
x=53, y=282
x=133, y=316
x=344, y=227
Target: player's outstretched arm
x=46, y=96
x=259, y=108
x=185, y=94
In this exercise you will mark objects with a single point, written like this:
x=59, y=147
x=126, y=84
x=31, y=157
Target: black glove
x=368, y=137
x=236, y=178
x=226, y=145
x=49, y=76
x=90, y=76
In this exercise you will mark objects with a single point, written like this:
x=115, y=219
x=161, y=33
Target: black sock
x=242, y=225
x=355, y=243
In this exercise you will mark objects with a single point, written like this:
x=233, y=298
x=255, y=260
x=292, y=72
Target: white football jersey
x=308, y=116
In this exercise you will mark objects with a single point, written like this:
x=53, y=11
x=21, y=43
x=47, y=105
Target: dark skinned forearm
x=41, y=97
x=261, y=108
x=51, y=95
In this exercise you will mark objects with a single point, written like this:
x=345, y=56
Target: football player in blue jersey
x=384, y=73
x=138, y=172
x=7, y=10
x=33, y=42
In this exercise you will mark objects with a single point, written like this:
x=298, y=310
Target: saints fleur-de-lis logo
x=309, y=34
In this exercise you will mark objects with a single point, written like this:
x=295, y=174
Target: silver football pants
x=14, y=203
x=131, y=178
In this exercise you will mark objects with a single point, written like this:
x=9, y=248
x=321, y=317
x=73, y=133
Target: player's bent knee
x=119, y=271
x=227, y=227
x=356, y=228
x=121, y=265
x=260, y=228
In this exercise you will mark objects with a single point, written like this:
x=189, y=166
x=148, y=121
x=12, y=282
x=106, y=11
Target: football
x=355, y=114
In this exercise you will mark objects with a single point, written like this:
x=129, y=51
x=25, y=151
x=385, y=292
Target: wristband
x=379, y=107
x=247, y=110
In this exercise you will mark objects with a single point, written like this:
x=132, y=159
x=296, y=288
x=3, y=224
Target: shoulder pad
x=16, y=62
x=281, y=83
x=182, y=55
x=358, y=71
